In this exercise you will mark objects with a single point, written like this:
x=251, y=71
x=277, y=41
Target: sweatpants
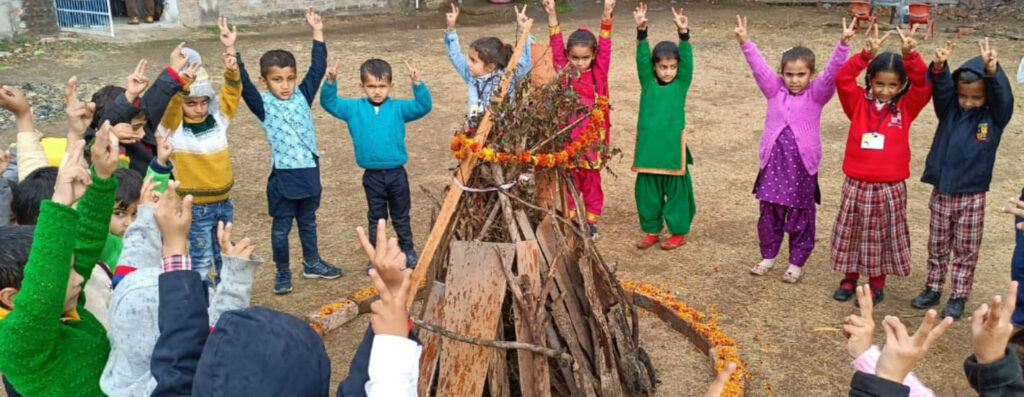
x=387, y=196
x=588, y=182
x=665, y=199
x=776, y=220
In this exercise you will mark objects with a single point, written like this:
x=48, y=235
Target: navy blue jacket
x=963, y=151
x=251, y=352
x=998, y=379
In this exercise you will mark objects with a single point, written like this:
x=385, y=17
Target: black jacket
x=963, y=151
x=153, y=103
x=998, y=379
x=354, y=384
x=251, y=352
x=867, y=385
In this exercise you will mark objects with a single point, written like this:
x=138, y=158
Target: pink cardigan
x=868, y=361
x=801, y=112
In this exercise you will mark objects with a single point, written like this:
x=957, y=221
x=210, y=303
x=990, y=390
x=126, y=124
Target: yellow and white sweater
x=202, y=164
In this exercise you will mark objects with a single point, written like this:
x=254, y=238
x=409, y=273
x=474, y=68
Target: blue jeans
x=1017, y=269
x=202, y=238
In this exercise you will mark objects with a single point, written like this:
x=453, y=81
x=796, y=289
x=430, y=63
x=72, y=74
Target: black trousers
x=387, y=196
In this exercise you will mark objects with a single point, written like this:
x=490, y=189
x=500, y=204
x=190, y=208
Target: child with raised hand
x=973, y=105
x=293, y=189
x=377, y=125
x=484, y=64
x=664, y=190
x=196, y=126
x=588, y=60
x=50, y=344
x=870, y=234
x=790, y=148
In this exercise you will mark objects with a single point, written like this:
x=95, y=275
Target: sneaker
x=674, y=241
x=283, y=282
x=320, y=269
x=648, y=241
x=594, y=235
x=954, y=308
x=846, y=290
x=411, y=259
x=926, y=299
x=877, y=296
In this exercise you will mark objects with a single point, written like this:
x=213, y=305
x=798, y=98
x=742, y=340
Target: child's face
x=477, y=66
x=885, y=85
x=581, y=57
x=196, y=108
x=376, y=89
x=280, y=81
x=971, y=95
x=666, y=69
x=122, y=217
x=133, y=128
x=797, y=75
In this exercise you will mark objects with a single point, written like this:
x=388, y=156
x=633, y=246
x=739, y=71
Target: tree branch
x=499, y=344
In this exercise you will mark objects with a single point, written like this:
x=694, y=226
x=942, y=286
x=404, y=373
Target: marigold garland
x=706, y=325
x=463, y=146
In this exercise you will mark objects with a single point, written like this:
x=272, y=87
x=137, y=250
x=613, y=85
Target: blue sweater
x=377, y=134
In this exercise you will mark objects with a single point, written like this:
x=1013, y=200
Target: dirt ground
x=774, y=322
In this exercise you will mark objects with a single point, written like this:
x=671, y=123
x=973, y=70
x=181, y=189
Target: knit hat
x=201, y=87
x=193, y=57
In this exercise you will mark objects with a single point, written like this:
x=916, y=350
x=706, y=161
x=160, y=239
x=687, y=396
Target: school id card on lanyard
x=872, y=140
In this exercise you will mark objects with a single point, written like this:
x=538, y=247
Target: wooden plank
x=543, y=71
x=451, y=200
x=474, y=291
x=433, y=313
x=497, y=374
x=549, y=245
x=534, y=376
x=332, y=316
x=630, y=368
x=604, y=352
x=525, y=226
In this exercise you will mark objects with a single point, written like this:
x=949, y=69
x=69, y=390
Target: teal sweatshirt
x=377, y=134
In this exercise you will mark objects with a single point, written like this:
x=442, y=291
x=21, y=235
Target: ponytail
x=492, y=51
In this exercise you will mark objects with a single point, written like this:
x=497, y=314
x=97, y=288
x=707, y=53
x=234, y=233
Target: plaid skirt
x=870, y=236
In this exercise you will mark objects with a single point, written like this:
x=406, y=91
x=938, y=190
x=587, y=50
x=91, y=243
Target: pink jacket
x=868, y=360
x=801, y=112
x=590, y=84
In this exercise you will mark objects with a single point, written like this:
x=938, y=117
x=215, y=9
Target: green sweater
x=660, y=137
x=41, y=354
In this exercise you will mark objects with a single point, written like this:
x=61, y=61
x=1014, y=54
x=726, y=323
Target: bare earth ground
x=773, y=322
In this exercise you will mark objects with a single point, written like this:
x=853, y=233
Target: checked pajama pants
x=956, y=227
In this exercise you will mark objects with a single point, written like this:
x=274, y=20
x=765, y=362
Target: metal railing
x=87, y=16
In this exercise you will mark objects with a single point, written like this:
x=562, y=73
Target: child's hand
x=1016, y=208
x=227, y=36
x=609, y=8
x=521, y=18
x=942, y=54
x=640, y=16
x=902, y=351
x=990, y=57
x=178, y=58
x=12, y=99
x=314, y=21
x=909, y=42
x=230, y=62
x=874, y=43
x=848, y=33
x=718, y=385
x=991, y=328
x=242, y=250
x=332, y=70
x=137, y=82
x=390, y=316
x=859, y=329
x=148, y=195
x=741, y=30
x=682, y=23
x=549, y=7
x=451, y=17
x=105, y=151
x=387, y=258
x=79, y=113
x=72, y=178
x=174, y=218
x=413, y=73
x=164, y=148
x=189, y=75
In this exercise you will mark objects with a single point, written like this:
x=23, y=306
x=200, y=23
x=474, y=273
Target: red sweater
x=892, y=162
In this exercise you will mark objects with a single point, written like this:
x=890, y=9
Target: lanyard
x=481, y=88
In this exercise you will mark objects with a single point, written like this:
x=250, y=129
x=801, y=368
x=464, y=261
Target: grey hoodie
x=135, y=306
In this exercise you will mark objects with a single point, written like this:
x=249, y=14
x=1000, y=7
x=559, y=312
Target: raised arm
x=997, y=86
x=526, y=57
x=315, y=75
x=766, y=78
x=685, y=49
x=231, y=90
x=168, y=83
x=250, y=94
x=451, y=42
x=824, y=86
x=920, y=91
x=944, y=95
x=555, y=39
x=603, y=59
x=97, y=205
x=846, y=81
x=644, y=67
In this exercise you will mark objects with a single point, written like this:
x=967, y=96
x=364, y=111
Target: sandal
x=762, y=268
x=792, y=274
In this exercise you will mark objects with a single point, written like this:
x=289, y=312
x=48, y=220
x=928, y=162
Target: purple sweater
x=801, y=112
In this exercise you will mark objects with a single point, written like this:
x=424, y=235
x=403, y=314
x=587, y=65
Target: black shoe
x=954, y=308
x=928, y=298
x=844, y=294
x=876, y=297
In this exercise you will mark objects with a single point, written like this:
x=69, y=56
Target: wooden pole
x=462, y=174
